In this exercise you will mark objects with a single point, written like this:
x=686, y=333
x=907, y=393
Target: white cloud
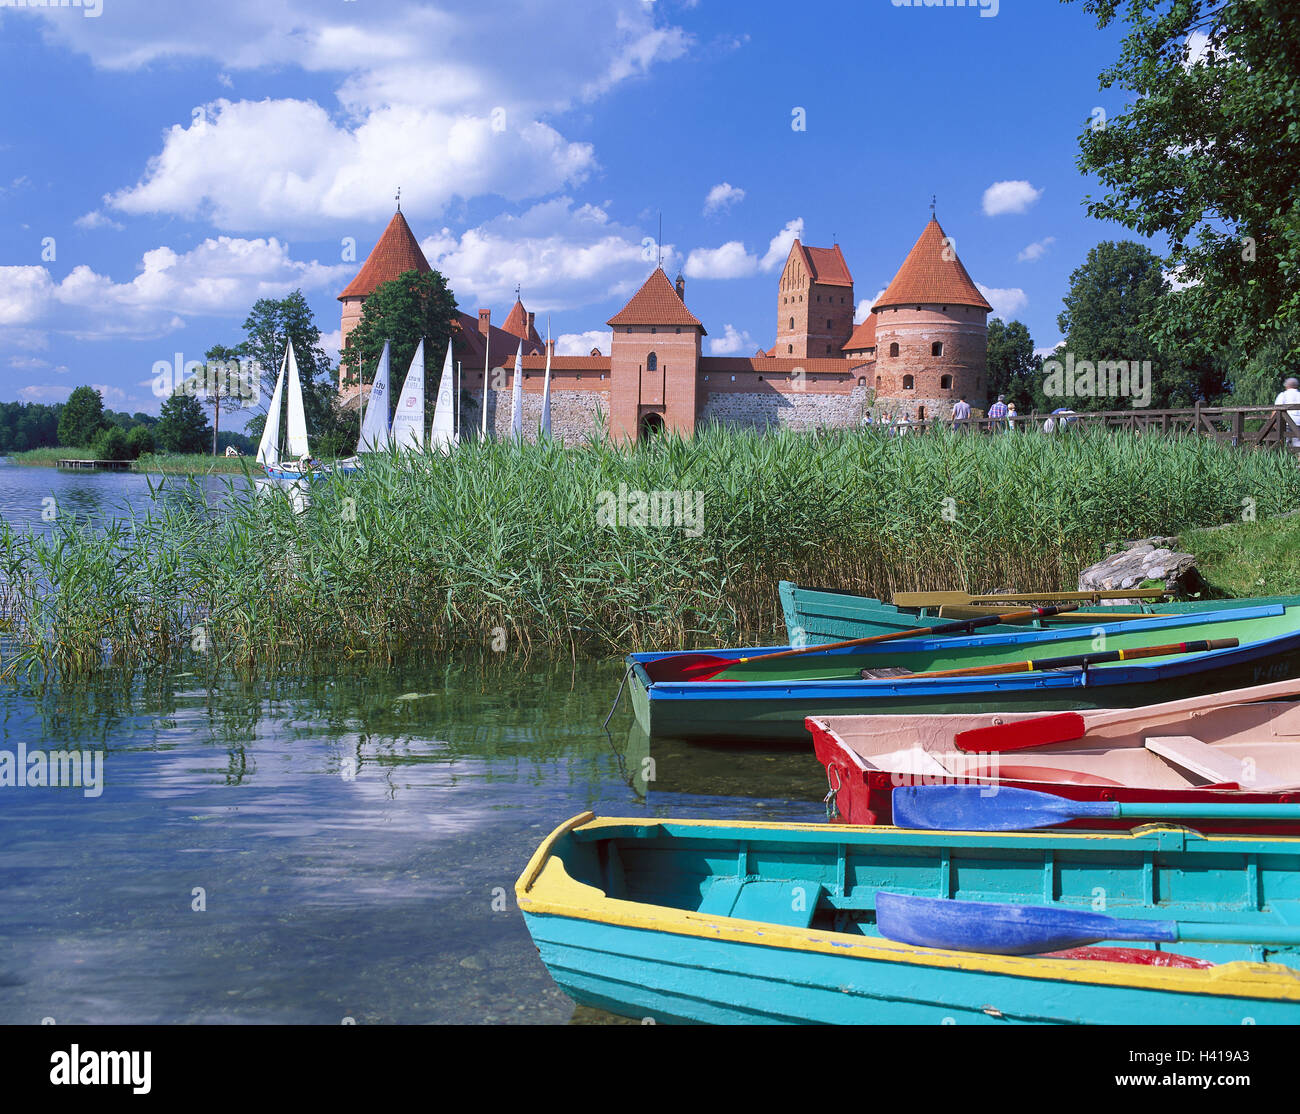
x=727, y=262
x=44, y=392
x=1197, y=45
x=1048, y=351
x=864, y=307
x=1004, y=302
x=723, y=196
x=731, y=343
x=1035, y=251
x=332, y=343
x=1009, y=197
x=778, y=248
x=561, y=255
x=96, y=219
x=445, y=103
x=581, y=344
x=220, y=276
x=1174, y=276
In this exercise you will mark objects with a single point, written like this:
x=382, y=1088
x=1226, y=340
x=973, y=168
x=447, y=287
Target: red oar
x=1041, y=731
x=703, y=667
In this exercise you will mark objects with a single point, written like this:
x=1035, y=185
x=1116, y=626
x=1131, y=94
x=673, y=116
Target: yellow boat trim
x=546, y=888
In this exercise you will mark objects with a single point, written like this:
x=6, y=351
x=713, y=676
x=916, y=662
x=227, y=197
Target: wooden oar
x=1004, y=929
x=1039, y=664
x=988, y=808
x=940, y=599
x=702, y=667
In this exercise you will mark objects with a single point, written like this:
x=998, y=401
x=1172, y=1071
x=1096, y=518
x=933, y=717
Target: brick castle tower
x=814, y=303
x=931, y=332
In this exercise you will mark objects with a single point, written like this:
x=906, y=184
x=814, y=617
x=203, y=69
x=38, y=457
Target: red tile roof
x=517, y=324
x=560, y=363
x=826, y=265
x=863, y=336
x=396, y=253
x=718, y=364
x=656, y=303
x=469, y=344
x=926, y=277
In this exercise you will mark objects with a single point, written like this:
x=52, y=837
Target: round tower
x=932, y=332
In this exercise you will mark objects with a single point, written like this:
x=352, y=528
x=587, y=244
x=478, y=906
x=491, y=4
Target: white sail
x=442, y=434
x=545, y=426
x=268, y=451
x=374, y=427
x=408, y=421
x=297, y=418
x=517, y=397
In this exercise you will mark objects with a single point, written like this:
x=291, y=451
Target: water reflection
x=354, y=835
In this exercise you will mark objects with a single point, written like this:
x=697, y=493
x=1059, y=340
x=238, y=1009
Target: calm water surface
x=353, y=832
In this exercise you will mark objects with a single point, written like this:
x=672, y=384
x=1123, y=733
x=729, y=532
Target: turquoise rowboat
x=694, y=921
x=757, y=700
x=816, y=616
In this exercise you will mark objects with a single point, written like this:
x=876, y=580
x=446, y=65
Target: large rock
x=1141, y=560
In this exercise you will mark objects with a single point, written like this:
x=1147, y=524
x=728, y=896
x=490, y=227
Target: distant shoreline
x=191, y=464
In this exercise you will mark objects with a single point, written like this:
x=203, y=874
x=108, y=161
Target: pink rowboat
x=1231, y=747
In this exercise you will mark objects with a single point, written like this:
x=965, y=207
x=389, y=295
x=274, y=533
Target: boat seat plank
x=775, y=902
x=1205, y=761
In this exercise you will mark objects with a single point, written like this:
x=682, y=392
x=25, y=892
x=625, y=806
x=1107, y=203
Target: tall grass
x=499, y=545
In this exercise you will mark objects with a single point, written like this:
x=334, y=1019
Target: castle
x=921, y=348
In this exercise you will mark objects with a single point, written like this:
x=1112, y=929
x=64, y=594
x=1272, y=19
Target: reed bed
x=504, y=547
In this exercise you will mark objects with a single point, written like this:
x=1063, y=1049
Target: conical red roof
x=656, y=303
x=396, y=253
x=516, y=322
x=926, y=276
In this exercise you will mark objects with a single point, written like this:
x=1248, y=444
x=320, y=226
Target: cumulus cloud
x=1009, y=197
x=581, y=344
x=778, y=248
x=1035, y=251
x=1004, y=302
x=723, y=196
x=864, y=307
x=219, y=276
x=727, y=262
x=96, y=219
x=562, y=255
x=731, y=343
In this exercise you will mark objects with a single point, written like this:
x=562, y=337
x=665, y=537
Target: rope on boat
x=617, y=697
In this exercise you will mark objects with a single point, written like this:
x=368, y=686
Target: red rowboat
x=1231, y=747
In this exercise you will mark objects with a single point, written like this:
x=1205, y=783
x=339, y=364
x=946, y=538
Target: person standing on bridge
x=998, y=412
x=1290, y=396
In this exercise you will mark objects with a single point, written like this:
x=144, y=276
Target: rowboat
x=815, y=616
x=1239, y=747
x=696, y=921
x=754, y=698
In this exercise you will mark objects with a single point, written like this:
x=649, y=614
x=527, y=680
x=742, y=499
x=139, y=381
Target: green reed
x=499, y=546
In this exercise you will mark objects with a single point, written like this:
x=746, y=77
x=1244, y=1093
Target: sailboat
x=544, y=428
x=442, y=434
x=268, y=450
x=517, y=397
x=408, y=422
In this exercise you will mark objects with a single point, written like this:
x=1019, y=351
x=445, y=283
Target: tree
x=82, y=417
x=1012, y=365
x=111, y=444
x=139, y=441
x=221, y=385
x=412, y=307
x=1208, y=154
x=182, y=426
x=270, y=325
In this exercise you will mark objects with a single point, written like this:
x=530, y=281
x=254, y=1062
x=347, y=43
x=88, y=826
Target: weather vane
x=934, y=200
x=399, y=199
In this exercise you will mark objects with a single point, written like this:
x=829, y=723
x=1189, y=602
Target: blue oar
x=984, y=926
x=991, y=808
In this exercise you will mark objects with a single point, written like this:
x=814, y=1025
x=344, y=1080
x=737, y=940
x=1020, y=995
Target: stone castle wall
x=574, y=413
x=800, y=410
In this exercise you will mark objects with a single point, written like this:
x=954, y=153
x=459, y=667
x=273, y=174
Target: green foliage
x=182, y=426
x=139, y=441
x=111, y=443
x=411, y=307
x=434, y=553
x=1207, y=154
x=28, y=425
x=82, y=417
x=1012, y=365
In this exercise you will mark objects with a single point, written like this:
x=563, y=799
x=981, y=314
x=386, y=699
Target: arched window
x=877, y=382
x=862, y=381
x=792, y=322
x=936, y=349
x=893, y=349
x=789, y=347
x=945, y=382
x=907, y=383
x=828, y=323
x=652, y=362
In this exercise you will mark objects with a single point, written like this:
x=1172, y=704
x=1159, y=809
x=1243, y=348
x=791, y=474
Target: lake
x=337, y=842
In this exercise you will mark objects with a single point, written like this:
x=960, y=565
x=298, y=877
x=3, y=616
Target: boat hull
x=668, y=961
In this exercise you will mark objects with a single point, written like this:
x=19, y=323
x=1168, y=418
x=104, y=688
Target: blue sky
x=164, y=165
